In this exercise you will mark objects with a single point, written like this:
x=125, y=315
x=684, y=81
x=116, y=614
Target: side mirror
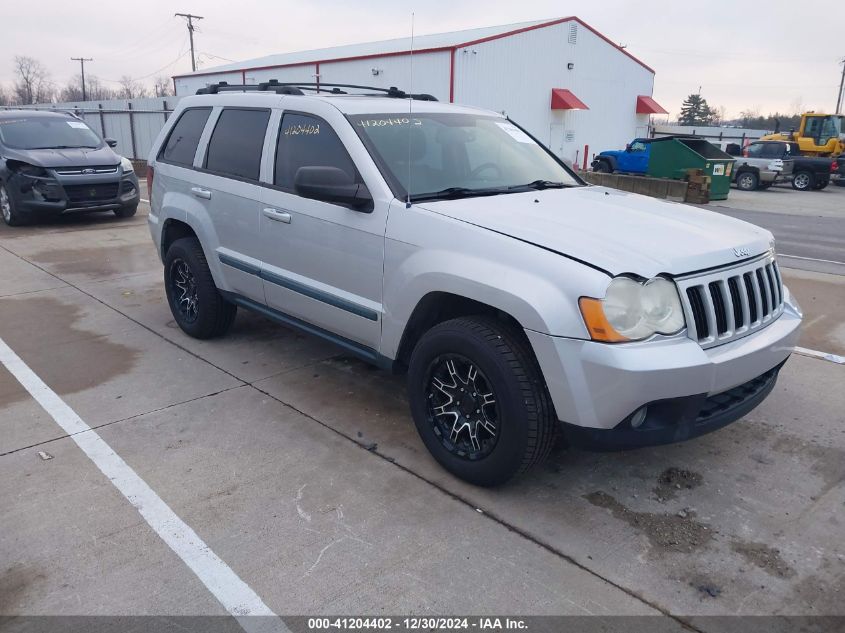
x=331, y=184
x=110, y=142
x=628, y=147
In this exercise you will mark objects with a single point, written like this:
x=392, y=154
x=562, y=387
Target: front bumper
x=599, y=386
x=44, y=197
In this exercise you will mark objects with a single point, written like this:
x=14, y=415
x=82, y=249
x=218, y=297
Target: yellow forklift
x=817, y=135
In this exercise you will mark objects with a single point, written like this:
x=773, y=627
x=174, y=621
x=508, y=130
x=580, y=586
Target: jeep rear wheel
x=196, y=304
x=603, y=167
x=479, y=401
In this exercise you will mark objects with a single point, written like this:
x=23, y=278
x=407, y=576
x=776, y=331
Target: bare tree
x=5, y=97
x=72, y=91
x=131, y=89
x=94, y=89
x=33, y=84
x=162, y=87
x=720, y=115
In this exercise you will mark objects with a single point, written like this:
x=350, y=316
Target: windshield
x=436, y=155
x=47, y=133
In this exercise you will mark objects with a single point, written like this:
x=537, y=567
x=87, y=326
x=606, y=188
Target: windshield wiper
x=541, y=184
x=65, y=147
x=452, y=193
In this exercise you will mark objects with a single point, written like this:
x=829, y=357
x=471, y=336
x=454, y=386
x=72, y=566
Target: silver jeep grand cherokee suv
x=448, y=243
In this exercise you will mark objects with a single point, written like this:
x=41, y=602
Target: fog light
x=639, y=417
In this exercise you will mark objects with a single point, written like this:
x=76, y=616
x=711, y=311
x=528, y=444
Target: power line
x=190, y=19
x=82, y=61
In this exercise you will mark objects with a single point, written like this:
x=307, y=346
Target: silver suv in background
x=52, y=163
x=446, y=242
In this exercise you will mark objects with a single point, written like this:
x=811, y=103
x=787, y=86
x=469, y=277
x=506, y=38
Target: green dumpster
x=672, y=156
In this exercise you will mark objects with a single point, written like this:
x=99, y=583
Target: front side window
x=182, y=142
x=637, y=146
x=47, y=132
x=450, y=154
x=772, y=150
x=754, y=150
x=236, y=143
x=308, y=141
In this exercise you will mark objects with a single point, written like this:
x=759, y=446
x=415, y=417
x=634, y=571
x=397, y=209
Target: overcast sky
x=773, y=55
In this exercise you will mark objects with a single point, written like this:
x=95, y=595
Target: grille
x=732, y=302
x=87, y=170
x=92, y=193
x=727, y=400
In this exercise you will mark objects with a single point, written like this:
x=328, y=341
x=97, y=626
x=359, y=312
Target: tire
x=196, y=304
x=523, y=420
x=126, y=212
x=8, y=211
x=747, y=181
x=821, y=184
x=602, y=167
x=803, y=181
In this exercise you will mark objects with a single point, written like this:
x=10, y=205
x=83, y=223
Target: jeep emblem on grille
x=741, y=252
x=88, y=171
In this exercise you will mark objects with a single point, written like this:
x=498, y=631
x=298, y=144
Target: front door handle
x=278, y=216
x=201, y=193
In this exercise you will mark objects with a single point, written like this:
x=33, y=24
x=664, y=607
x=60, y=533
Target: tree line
x=33, y=84
x=696, y=111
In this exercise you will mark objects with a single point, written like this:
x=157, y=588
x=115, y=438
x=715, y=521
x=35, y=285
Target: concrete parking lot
x=299, y=467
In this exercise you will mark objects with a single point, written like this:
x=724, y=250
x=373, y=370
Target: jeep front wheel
x=479, y=400
x=196, y=304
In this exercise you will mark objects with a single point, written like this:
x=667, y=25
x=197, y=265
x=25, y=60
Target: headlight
x=632, y=311
x=126, y=164
x=27, y=169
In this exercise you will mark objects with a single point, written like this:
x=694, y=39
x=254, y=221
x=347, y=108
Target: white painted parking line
x=833, y=358
x=812, y=259
x=232, y=592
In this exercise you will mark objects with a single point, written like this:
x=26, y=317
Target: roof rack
x=297, y=88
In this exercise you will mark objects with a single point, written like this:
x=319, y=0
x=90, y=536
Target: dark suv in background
x=52, y=163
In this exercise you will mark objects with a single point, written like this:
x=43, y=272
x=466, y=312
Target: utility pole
x=190, y=19
x=82, y=61
x=841, y=85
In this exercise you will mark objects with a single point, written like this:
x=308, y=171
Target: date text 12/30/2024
x=416, y=624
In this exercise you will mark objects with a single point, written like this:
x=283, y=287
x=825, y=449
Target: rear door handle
x=278, y=216
x=201, y=193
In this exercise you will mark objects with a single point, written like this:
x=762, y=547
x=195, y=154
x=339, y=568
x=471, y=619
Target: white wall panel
x=430, y=73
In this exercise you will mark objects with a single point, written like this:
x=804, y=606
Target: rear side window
x=182, y=143
x=236, y=143
x=307, y=141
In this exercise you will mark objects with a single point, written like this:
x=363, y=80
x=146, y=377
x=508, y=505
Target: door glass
x=183, y=140
x=637, y=146
x=306, y=141
x=772, y=150
x=236, y=143
x=754, y=150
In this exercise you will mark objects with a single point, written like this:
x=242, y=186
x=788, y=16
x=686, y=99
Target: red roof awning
x=563, y=99
x=647, y=105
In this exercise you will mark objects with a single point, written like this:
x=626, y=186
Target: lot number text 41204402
x=416, y=624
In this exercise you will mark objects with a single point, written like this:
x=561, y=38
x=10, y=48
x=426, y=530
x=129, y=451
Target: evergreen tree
x=695, y=111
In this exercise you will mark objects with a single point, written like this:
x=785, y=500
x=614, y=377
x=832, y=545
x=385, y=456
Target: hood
x=615, y=231
x=50, y=158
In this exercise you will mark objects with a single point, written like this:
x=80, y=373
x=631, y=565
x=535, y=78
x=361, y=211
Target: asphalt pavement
x=295, y=473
